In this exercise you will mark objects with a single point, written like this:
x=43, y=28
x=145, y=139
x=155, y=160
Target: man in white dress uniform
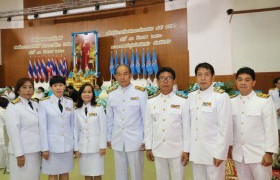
x=211, y=126
x=125, y=121
x=167, y=128
x=255, y=136
x=275, y=95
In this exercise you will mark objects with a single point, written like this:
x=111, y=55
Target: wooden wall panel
x=174, y=54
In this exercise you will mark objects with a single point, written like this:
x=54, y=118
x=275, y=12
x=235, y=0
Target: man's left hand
x=185, y=158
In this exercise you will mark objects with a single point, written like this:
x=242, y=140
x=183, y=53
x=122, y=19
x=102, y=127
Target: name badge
x=92, y=114
x=175, y=106
x=134, y=98
x=207, y=104
x=68, y=109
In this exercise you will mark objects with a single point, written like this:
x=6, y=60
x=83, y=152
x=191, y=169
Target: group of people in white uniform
x=204, y=128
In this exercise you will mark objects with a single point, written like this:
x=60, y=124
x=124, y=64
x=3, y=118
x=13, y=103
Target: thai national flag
x=43, y=70
x=49, y=68
x=35, y=73
x=65, y=67
x=30, y=70
x=61, y=68
x=39, y=70
x=53, y=68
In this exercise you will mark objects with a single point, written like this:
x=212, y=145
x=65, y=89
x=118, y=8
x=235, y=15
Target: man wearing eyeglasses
x=211, y=126
x=125, y=113
x=167, y=128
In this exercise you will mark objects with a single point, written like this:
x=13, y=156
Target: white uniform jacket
x=56, y=127
x=90, y=131
x=167, y=126
x=254, y=128
x=22, y=127
x=211, y=125
x=125, y=118
x=274, y=94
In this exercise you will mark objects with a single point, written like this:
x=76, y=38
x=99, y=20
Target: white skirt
x=58, y=163
x=30, y=170
x=91, y=164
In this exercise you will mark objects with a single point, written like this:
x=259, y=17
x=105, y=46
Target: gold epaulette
x=68, y=98
x=182, y=95
x=233, y=95
x=218, y=90
x=112, y=88
x=98, y=105
x=140, y=88
x=192, y=90
x=15, y=101
x=34, y=99
x=45, y=98
x=262, y=95
x=271, y=88
x=154, y=95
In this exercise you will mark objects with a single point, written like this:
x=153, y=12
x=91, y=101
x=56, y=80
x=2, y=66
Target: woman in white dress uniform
x=56, y=121
x=90, y=134
x=23, y=131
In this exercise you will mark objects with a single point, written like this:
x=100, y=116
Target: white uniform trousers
x=166, y=165
x=208, y=172
x=135, y=161
x=30, y=170
x=254, y=171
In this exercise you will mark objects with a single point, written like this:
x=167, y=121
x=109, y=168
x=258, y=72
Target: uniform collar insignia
x=208, y=104
x=175, y=106
x=92, y=114
x=134, y=98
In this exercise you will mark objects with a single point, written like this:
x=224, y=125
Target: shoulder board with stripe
x=262, y=95
x=112, y=88
x=140, y=88
x=98, y=105
x=154, y=95
x=219, y=90
x=45, y=98
x=233, y=95
x=15, y=101
x=34, y=99
x=67, y=97
x=182, y=95
x=192, y=90
x=272, y=88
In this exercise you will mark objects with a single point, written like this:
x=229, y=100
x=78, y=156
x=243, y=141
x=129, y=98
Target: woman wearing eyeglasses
x=90, y=134
x=23, y=131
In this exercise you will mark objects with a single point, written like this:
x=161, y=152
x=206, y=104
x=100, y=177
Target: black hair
x=246, y=70
x=275, y=81
x=4, y=102
x=80, y=102
x=57, y=79
x=123, y=65
x=166, y=69
x=42, y=89
x=20, y=83
x=70, y=87
x=206, y=66
x=9, y=87
x=99, y=84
